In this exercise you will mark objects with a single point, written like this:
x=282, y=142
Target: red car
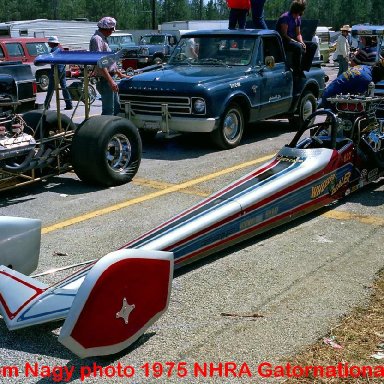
x=25, y=49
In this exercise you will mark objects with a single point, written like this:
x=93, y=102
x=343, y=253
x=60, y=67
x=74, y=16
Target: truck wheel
x=42, y=80
x=106, y=150
x=50, y=124
x=307, y=105
x=231, y=128
x=157, y=60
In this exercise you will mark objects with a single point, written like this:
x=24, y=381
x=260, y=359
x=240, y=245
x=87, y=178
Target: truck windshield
x=126, y=39
x=152, y=40
x=213, y=50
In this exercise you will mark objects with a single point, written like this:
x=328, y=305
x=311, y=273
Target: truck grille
x=140, y=104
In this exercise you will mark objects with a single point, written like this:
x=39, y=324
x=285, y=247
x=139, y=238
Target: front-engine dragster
x=102, y=150
x=343, y=152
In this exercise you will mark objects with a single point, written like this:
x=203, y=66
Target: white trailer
x=193, y=25
x=72, y=34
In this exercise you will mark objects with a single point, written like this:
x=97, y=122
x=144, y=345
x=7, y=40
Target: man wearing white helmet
x=106, y=85
x=54, y=44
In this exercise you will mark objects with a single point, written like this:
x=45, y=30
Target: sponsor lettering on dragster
x=331, y=183
x=289, y=159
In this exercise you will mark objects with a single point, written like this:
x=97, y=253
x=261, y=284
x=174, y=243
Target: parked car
x=17, y=89
x=120, y=40
x=25, y=49
x=324, y=36
x=238, y=77
x=155, y=48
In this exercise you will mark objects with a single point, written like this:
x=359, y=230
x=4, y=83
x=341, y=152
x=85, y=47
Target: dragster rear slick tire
x=106, y=151
x=49, y=122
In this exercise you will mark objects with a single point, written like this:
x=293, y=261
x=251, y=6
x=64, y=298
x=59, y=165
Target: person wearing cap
x=106, y=85
x=289, y=27
x=353, y=81
x=54, y=44
x=342, y=49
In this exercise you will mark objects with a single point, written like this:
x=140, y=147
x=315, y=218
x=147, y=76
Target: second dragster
x=132, y=285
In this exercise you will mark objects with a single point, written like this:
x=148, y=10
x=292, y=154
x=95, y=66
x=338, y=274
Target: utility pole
x=153, y=8
x=55, y=13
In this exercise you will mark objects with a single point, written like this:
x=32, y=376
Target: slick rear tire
x=231, y=128
x=106, y=151
x=49, y=121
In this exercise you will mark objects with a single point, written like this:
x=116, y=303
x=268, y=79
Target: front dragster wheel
x=307, y=105
x=106, y=150
x=231, y=128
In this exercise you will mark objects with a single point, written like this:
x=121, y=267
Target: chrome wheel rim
x=43, y=82
x=231, y=125
x=118, y=153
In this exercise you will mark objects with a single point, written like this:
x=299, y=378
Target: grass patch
x=359, y=333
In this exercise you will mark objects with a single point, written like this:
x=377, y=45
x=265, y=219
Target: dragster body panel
x=288, y=186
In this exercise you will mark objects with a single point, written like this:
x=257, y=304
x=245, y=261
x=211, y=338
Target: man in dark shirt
x=289, y=27
x=353, y=81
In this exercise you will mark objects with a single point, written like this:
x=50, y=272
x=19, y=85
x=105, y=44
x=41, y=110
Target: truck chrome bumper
x=175, y=124
x=167, y=123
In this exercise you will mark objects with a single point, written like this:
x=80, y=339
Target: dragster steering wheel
x=307, y=124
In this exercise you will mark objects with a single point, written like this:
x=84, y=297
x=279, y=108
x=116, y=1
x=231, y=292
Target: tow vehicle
x=102, y=150
x=235, y=78
x=342, y=153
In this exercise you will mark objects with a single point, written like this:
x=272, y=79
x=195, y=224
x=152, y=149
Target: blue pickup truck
x=219, y=81
x=155, y=48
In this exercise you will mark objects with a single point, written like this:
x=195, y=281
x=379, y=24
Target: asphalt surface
x=259, y=302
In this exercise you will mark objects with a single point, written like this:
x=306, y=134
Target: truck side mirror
x=269, y=61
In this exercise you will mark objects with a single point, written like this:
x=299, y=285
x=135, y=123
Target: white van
x=324, y=36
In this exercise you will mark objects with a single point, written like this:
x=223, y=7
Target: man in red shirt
x=238, y=13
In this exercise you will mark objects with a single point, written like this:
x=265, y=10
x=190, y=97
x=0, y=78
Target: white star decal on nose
x=125, y=311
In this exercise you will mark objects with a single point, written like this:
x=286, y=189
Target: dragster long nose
x=122, y=295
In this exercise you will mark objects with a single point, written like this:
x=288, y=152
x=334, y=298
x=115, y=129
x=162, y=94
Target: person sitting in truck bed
x=289, y=27
x=353, y=81
x=367, y=54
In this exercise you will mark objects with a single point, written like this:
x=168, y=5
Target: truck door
x=276, y=81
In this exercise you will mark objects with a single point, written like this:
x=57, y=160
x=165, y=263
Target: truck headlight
x=199, y=106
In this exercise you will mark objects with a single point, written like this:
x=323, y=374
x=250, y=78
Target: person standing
x=257, y=7
x=54, y=44
x=289, y=27
x=238, y=10
x=106, y=84
x=342, y=49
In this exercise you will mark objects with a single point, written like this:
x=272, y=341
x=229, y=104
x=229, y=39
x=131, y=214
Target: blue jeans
x=257, y=7
x=109, y=100
x=64, y=89
x=343, y=64
x=237, y=17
